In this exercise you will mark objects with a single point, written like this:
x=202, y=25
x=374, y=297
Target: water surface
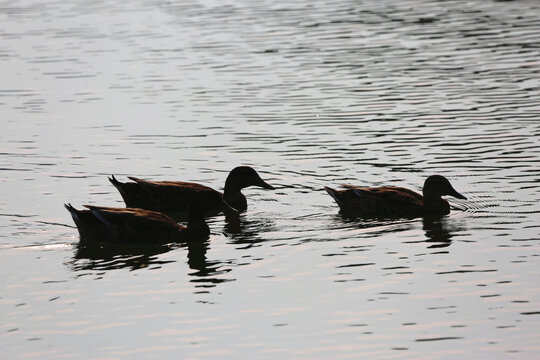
x=311, y=94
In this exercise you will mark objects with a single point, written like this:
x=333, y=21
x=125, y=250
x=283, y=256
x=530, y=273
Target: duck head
x=244, y=176
x=437, y=185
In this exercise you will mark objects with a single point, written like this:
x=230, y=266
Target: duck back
x=386, y=201
x=166, y=196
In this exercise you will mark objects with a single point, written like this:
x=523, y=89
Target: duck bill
x=228, y=209
x=457, y=195
x=265, y=185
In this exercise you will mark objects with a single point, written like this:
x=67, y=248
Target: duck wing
x=133, y=218
x=385, y=201
x=178, y=185
x=402, y=191
x=166, y=195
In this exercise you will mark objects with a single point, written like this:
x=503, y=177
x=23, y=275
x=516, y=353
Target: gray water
x=311, y=94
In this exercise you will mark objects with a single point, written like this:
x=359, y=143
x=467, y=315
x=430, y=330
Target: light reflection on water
x=311, y=95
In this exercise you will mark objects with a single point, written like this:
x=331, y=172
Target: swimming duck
x=112, y=224
x=175, y=196
x=396, y=201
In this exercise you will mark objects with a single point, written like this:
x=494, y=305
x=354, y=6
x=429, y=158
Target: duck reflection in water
x=92, y=255
x=245, y=231
x=109, y=256
x=206, y=271
x=440, y=230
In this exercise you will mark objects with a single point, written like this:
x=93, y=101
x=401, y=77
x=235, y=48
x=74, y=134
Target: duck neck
x=434, y=204
x=233, y=196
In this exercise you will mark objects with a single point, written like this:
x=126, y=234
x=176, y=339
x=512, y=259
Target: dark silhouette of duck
x=176, y=196
x=391, y=201
x=110, y=224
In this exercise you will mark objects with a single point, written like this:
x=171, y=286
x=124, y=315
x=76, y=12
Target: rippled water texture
x=311, y=94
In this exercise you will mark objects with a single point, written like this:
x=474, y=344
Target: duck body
x=166, y=196
x=392, y=201
x=134, y=225
x=176, y=196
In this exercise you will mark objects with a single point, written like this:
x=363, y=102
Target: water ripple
x=311, y=94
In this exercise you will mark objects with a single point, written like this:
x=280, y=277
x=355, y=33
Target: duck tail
x=74, y=212
x=121, y=187
x=334, y=194
x=117, y=184
x=80, y=217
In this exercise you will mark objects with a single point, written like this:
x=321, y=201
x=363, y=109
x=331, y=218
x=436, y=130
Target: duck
x=135, y=225
x=176, y=196
x=392, y=201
